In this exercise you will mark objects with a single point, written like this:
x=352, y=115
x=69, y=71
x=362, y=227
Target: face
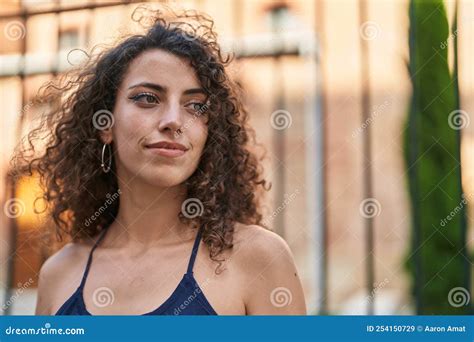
x=160, y=127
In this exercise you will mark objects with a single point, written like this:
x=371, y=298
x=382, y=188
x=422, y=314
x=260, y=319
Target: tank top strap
x=194, y=251
x=89, y=260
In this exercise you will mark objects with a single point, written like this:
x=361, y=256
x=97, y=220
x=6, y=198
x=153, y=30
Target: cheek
x=198, y=137
x=126, y=112
x=128, y=129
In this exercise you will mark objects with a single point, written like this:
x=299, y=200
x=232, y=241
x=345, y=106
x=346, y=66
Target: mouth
x=167, y=149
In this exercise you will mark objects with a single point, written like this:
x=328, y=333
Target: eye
x=197, y=107
x=147, y=99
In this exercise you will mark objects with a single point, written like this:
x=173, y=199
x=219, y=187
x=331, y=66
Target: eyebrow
x=163, y=89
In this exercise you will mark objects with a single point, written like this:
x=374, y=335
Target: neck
x=148, y=215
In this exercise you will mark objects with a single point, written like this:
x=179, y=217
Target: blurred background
x=343, y=95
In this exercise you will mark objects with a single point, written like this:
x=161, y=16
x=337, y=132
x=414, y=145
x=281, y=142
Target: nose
x=171, y=119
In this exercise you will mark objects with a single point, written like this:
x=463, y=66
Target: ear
x=106, y=136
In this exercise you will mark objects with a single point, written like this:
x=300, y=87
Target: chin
x=163, y=178
x=163, y=182
x=156, y=175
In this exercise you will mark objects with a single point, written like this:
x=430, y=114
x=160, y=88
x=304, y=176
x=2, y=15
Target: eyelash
x=137, y=97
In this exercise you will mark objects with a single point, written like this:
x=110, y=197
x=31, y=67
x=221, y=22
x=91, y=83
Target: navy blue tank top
x=186, y=299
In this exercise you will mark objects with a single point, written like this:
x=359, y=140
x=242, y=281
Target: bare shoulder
x=56, y=271
x=61, y=260
x=270, y=280
x=253, y=242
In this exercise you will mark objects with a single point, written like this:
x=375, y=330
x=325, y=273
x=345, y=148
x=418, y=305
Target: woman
x=147, y=170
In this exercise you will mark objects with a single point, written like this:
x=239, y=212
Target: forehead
x=162, y=67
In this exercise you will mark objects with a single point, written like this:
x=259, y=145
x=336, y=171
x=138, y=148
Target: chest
x=117, y=286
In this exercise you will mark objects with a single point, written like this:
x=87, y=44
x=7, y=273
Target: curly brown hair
x=228, y=179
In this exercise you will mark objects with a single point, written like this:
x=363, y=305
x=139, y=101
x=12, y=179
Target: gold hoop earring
x=106, y=168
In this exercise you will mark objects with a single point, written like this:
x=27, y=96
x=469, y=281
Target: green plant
x=437, y=258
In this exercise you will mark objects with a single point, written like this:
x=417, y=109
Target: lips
x=167, y=145
x=167, y=149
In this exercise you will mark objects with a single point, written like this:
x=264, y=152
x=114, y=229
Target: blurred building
x=318, y=60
